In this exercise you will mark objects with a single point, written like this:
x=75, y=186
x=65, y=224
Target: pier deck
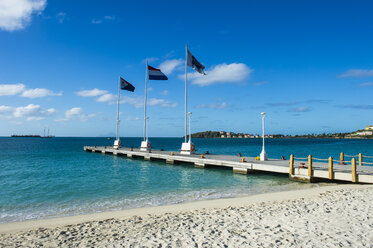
x=245, y=165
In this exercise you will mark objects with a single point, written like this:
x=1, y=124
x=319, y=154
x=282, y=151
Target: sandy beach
x=330, y=216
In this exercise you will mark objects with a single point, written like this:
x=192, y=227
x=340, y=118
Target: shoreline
x=29, y=225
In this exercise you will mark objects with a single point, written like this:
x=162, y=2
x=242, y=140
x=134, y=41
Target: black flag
x=195, y=64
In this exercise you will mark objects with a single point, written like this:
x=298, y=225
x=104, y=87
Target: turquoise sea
x=44, y=178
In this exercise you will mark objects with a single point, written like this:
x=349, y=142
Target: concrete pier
x=296, y=170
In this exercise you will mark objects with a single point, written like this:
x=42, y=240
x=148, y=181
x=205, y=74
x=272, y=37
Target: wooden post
x=310, y=165
x=360, y=159
x=353, y=170
x=342, y=158
x=330, y=168
x=291, y=168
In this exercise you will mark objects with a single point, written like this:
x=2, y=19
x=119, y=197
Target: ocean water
x=44, y=178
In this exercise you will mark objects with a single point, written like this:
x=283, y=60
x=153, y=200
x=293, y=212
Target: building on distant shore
x=369, y=127
x=363, y=133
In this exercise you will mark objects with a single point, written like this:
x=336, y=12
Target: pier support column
x=103, y=151
x=239, y=170
x=148, y=158
x=129, y=155
x=199, y=165
x=115, y=153
x=170, y=161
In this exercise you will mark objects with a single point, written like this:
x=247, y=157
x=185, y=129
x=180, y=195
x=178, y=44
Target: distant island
x=31, y=136
x=366, y=133
x=25, y=136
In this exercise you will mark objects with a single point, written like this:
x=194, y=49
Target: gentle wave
x=79, y=208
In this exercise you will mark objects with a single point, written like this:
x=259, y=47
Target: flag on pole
x=195, y=64
x=124, y=85
x=156, y=74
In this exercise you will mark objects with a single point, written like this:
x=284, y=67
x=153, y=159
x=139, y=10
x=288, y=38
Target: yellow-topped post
x=342, y=157
x=353, y=170
x=360, y=159
x=309, y=165
x=291, y=162
x=330, y=168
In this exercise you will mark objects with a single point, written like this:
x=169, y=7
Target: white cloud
x=106, y=98
x=137, y=102
x=38, y=93
x=4, y=109
x=165, y=92
x=170, y=65
x=220, y=74
x=300, y=109
x=91, y=93
x=94, y=21
x=61, y=17
x=16, y=14
x=32, y=112
x=73, y=112
x=106, y=18
x=15, y=122
x=11, y=89
x=6, y=112
x=367, y=84
x=222, y=105
x=169, y=54
x=129, y=118
x=161, y=102
x=357, y=73
x=109, y=17
x=76, y=113
x=150, y=60
x=14, y=89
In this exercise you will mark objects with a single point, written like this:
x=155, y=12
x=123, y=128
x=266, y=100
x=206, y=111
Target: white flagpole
x=117, y=131
x=146, y=92
x=186, y=78
x=147, y=123
x=190, y=127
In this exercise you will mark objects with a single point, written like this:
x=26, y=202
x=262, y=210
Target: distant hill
x=207, y=134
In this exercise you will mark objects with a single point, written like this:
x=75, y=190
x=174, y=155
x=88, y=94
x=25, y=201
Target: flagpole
x=186, y=78
x=117, y=131
x=146, y=91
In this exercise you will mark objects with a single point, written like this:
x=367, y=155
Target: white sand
x=333, y=216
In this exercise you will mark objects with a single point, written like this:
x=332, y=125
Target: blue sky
x=308, y=64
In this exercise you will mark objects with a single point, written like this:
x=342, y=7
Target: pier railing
x=307, y=163
x=360, y=158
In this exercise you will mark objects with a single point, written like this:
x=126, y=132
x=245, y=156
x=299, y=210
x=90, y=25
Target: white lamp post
x=263, y=154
